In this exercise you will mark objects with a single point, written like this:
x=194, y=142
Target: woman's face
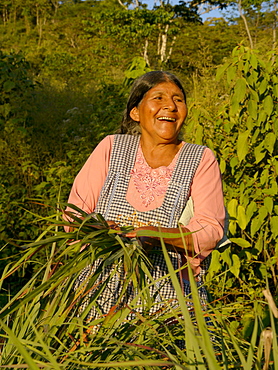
x=161, y=112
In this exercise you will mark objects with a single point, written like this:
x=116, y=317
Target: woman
x=144, y=177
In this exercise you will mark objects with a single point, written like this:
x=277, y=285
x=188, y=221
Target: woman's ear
x=134, y=114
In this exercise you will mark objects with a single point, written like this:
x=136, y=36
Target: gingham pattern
x=112, y=203
x=113, y=206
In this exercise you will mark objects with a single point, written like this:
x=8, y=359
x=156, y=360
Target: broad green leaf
x=226, y=256
x=215, y=264
x=254, y=95
x=256, y=223
x=239, y=90
x=263, y=86
x=263, y=212
x=232, y=208
x=272, y=190
x=241, y=217
x=259, y=244
x=241, y=242
x=251, y=78
x=268, y=203
x=261, y=118
x=233, y=162
x=222, y=165
x=274, y=225
x=242, y=145
x=275, y=124
x=252, y=108
x=269, y=142
x=253, y=61
x=259, y=154
x=250, y=124
x=264, y=176
x=268, y=105
x=246, y=67
x=251, y=209
x=235, y=265
x=231, y=72
x=275, y=90
x=221, y=70
x=275, y=164
x=232, y=227
x=255, y=135
x=234, y=107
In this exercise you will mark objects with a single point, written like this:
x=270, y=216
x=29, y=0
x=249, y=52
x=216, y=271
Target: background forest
x=65, y=72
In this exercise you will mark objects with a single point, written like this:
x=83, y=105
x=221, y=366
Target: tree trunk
x=146, y=58
x=171, y=48
x=245, y=23
x=274, y=32
x=164, y=44
x=158, y=43
x=5, y=15
x=119, y=1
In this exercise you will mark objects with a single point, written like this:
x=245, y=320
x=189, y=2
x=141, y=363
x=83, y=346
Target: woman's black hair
x=139, y=88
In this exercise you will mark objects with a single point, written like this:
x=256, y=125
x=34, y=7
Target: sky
x=213, y=14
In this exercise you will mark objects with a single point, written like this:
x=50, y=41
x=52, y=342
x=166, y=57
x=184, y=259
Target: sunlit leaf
x=268, y=202
x=241, y=242
x=235, y=268
x=241, y=217
x=268, y=105
x=269, y=142
x=242, y=145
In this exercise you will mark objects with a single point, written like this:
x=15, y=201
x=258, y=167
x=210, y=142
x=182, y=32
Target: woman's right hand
x=112, y=225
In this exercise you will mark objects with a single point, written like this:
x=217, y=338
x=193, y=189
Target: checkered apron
x=112, y=204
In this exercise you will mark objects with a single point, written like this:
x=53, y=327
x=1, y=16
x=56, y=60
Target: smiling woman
x=143, y=177
x=161, y=114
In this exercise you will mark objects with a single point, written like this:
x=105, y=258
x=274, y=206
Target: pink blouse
x=148, y=185
x=206, y=192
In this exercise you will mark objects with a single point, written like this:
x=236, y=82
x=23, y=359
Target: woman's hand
x=112, y=225
x=181, y=244
x=133, y=233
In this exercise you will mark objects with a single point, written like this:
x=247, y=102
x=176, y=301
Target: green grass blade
x=250, y=357
x=32, y=365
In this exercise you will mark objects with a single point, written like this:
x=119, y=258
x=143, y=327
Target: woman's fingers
x=131, y=234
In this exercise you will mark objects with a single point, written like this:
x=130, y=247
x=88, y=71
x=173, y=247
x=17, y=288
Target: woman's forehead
x=165, y=87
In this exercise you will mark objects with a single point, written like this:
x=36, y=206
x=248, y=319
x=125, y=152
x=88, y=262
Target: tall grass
x=43, y=327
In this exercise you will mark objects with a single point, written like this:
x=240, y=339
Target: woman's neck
x=159, y=154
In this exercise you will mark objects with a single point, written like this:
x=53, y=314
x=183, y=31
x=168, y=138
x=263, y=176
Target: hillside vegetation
x=65, y=72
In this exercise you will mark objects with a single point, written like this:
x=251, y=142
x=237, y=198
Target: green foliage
x=43, y=324
x=82, y=62
x=137, y=68
x=242, y=131
x=16, y=89
x=45, y=139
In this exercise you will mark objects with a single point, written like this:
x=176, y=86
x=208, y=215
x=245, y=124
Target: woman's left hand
x=179, y=244
x=133, y=233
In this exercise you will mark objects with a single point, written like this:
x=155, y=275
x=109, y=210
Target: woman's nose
x=170, y=104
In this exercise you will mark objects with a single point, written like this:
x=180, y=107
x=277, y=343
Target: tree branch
x=119, y=1
x=245, y=23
